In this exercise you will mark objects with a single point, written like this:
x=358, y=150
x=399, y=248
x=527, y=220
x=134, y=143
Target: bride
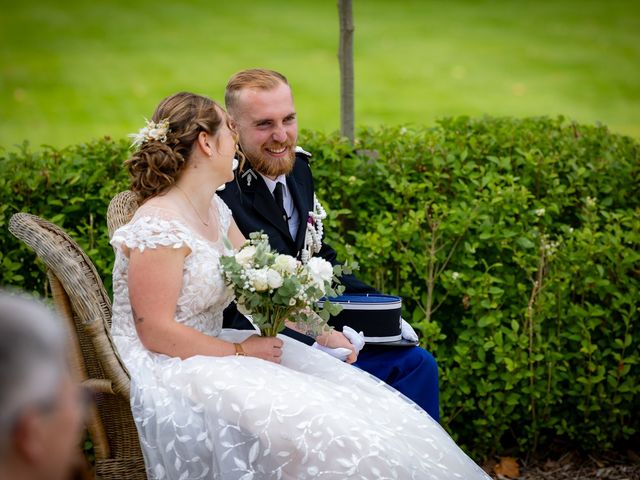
x=218, y=404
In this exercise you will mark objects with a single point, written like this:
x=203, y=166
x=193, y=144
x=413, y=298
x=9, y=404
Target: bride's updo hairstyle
x=166, y=143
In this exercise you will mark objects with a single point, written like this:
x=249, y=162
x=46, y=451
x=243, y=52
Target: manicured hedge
x=514, y=243
x=516, y=246
x=70, y=187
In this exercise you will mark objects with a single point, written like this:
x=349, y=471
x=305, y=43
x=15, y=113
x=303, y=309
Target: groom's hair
x=259, y=78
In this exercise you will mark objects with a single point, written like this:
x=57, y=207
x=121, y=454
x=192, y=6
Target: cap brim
x=398, y=343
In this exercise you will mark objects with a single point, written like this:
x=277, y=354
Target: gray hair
x=32, y=358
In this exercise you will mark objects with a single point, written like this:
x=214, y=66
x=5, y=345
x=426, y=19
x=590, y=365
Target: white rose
x=285, y=264
x=274, y=279
x=245, y=256
x=259, y=280
x=321, y=271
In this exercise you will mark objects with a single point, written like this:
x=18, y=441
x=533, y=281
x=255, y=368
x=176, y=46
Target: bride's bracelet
x=239, y=350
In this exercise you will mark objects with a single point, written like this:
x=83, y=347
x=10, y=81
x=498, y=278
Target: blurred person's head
x=40, y=409
x=260, y=104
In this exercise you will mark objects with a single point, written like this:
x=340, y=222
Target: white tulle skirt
x=311, y=417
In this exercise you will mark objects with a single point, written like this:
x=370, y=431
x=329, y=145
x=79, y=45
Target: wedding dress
x=311, y=417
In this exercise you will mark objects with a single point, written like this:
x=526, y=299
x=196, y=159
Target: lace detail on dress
x=204, y=294
x=152, y=232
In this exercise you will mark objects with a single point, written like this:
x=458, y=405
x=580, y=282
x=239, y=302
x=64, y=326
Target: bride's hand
x=335, y=339
x=267, y=348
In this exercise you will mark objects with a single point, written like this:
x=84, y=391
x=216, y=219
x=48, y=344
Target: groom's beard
x=269, y=166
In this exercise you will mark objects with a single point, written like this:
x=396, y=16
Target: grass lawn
x=72, y=70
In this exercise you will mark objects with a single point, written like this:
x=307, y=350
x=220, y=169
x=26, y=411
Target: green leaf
x=525, y=243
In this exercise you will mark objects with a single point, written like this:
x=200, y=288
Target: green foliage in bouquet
x=274, y=288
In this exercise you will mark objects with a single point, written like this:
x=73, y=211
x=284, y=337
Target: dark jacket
x=254, y=209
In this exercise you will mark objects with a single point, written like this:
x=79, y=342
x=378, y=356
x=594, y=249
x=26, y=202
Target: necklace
x=192, y=206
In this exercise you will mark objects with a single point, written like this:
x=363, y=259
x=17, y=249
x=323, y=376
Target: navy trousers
x=411, y=370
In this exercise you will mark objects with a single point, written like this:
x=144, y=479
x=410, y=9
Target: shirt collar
x=271, y=184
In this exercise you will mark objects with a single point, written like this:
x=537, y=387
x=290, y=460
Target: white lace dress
x=312, y=417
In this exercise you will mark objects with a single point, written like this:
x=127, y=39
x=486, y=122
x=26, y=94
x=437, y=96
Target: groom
x=274, y=193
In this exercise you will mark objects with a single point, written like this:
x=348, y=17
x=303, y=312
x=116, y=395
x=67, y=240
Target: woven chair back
x=121, y=209
x=82, y=301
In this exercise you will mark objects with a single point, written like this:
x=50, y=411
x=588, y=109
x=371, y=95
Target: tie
x=278, y=195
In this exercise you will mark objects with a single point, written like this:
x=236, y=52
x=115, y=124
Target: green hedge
x=70, y=187
x=514, y=243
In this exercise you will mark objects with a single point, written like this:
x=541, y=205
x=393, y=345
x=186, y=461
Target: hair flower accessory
x=151, y=131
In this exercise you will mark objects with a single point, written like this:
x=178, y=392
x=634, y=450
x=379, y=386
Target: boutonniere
x=313, y=236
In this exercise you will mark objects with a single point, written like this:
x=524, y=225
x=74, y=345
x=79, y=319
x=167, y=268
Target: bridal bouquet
x=274, y=287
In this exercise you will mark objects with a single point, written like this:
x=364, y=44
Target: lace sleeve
x=148, y=231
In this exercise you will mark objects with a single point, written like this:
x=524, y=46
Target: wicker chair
x=82, y=301
x=121, y=209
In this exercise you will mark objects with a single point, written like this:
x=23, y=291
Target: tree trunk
x=345, y=58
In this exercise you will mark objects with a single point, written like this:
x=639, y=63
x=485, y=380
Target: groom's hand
x=408, y=332
x=267, y=348
x=335, y=339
